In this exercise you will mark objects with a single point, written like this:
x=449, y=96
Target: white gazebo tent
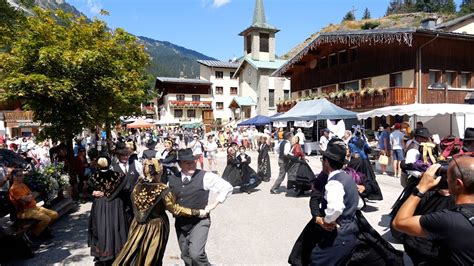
x=434, y=116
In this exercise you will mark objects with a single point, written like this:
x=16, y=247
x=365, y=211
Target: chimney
x=429, y=23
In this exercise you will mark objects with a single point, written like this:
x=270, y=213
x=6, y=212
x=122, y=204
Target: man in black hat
x=150, y=152
x=132, y=169
x=283, y=161
x=422, y=135
x=468, y=141
x=339, y=206
x=191, y=187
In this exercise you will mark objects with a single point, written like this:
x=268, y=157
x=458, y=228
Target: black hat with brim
x=422, y=132
x=185, y=155
x=151, y=144
x=336, y=150
x=469, y=134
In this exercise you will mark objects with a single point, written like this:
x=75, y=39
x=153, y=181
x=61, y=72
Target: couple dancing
x=186, y=198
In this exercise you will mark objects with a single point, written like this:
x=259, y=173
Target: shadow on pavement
x=70, y=233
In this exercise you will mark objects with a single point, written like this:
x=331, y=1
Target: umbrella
x=12, y=159
x=140, y=123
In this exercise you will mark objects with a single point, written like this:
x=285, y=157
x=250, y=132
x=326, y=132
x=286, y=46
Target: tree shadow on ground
x=70, y=233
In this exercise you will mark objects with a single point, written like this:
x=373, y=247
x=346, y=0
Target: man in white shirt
x=398, y=145
x=339, y=206
x=324, y=140
x=192, y=188
x=198, y=150
x=413, y=154
x=283, y=160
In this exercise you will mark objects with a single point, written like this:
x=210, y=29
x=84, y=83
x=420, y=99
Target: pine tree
x=409, y=6
x=366, y=14
x=394, y=7
x=466, y=7
x=349, y=16
x=447, y=6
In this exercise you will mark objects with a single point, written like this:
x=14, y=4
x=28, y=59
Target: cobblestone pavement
x=258, y=228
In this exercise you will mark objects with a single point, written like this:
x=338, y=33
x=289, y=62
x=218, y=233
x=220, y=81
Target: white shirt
x=323, y=142
x=286, y=148
x=334, y=196
x=125, y=167
x=211, y=146
x=196, y=147
x=412, y=156
x=396, y=140
x=301, y=137
x=215, y=184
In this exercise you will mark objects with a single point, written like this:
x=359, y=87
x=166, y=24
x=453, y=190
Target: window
x=271, y=98
x=332, y=60
x=178, y=113
x=219, y=75
x=196, y=98
x=465, y=80
x=232, y=75
x=323, y=63
x=354, y=85
x=435, y=77
x=233, y=90
x=249, y=43
x=366, y=83
x=219, y=105
x=191, y=113
x=396, y=80
x=343, y=57
x=451, y=79
x=353, y=55
x=264, y=39
x=180, y=97
x=219, y=90
x=286, y=95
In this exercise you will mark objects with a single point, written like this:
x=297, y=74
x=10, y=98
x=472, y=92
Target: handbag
x=383, y=160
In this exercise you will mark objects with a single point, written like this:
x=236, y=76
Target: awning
x=259, y=120
x=242, y=101
x=140, y=123
x=320, y=109
x=419, y=110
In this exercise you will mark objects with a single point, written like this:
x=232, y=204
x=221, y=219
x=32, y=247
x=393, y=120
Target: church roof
x=259, y=21
x=220, y=64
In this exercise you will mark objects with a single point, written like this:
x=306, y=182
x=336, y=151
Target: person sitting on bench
x=24, y=201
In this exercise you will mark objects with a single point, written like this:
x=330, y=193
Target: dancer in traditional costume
x=150, y=228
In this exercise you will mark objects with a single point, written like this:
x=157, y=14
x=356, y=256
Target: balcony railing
x=365, y=98
x=191, y=104
x=15, y=116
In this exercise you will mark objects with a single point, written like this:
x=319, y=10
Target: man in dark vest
x=339, y=207
x=150, y=152
x=132, y=169
x=468, y=141
x=191, y=188
x=283, y=161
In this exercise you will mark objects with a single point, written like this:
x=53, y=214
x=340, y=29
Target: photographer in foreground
x=452, y=229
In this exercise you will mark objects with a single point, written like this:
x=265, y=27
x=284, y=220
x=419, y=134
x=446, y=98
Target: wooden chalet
x=364, y=70
x=185, y=101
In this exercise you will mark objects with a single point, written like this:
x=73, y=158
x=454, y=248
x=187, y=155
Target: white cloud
x=219, y=3
x=94, y=6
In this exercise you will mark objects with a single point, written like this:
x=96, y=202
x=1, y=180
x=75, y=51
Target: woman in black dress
x=108, y=222
x=250, y=180
x=263, y=169
x=168, y=160
x=232, y=172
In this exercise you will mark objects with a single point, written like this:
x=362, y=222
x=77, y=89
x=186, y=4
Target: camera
x=443, y=172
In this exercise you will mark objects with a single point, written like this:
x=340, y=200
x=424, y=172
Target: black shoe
x=273, y=191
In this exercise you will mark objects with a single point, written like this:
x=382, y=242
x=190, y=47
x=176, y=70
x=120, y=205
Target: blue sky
x=211, y=27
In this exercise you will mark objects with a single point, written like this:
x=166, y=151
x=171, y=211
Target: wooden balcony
x=369, y=99
x=379, y=98
x=16, y=116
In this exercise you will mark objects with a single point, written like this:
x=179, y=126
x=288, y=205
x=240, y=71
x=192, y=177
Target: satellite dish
x=313, y=63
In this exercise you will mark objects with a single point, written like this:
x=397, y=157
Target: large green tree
x=73, y=73
x=348, y=17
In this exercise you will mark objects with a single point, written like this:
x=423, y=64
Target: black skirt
x=108, y=228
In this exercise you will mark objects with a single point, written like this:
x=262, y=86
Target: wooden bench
x=14, y=242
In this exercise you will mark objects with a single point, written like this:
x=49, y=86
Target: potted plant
x=363, y=91
x=371, y=91
x=349, y=93
x=380, y=91
x=340, y=94
x=333, y=95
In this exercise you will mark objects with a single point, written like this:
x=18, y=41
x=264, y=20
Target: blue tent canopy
x=321, y=109
x=258, y=120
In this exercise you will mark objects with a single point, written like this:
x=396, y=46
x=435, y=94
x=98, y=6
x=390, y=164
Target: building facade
x=364, y=70
x=225, y=86
x=185, y=101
